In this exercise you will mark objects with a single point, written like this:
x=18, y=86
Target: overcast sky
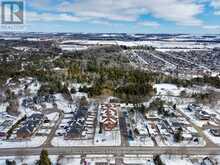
x=132, y=16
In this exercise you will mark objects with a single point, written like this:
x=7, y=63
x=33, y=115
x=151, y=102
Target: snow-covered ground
x=53, y=116
x=184, y=143
x=141, y=141
x=180, y=50
x=35, y=141
x=70, y=160
x=31, y=160
x=112, y=138
x=34, y=87
x=174, y=160
x=214, y=139
x=93, y=159
x=168, y=89
x=188, y=160
x=128, y=159
x=64, y=105
x=60, y=142
x=72, y=47
x=139, y=161
x=44, y=131
x=191, y=116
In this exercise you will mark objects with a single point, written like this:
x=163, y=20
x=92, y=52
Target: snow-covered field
x=180, y=50
x=168, y=89
x=157, y=44
x=72, y=47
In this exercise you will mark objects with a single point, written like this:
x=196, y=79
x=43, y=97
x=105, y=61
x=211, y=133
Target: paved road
x=114, y=150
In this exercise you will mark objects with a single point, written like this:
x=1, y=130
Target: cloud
x=211, y=27
x=215, y=3
x=101, y=22
x=48, y=17
x=217, y=12
x=183, y=12
x=149, y=24
x=41, y=4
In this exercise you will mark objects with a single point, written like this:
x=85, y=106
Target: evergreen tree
x=44, y=159
x=178, y=135
x=157, y=160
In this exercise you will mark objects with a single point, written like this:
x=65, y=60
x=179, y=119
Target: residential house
x=30, y=125
x=77, y=125
x=29, y=102
x=109, y=116
x=4, y=128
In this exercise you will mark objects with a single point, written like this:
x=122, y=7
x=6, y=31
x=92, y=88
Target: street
x=112, y=150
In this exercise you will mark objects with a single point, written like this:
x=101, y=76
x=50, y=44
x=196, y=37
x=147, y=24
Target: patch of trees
x=12, y=109
x=140, y=108
x=84, y=89
x=206, y=80
x=51, y=88
x=10, y=95
x=212, y=81
x=66, y=93
x=83, y=102
x=129, y=85
x=73, y=90
x=157, y=105
x=134, y=92
x=202, y=97
x=142, y=47
x=100, y=52
x=93, y=91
